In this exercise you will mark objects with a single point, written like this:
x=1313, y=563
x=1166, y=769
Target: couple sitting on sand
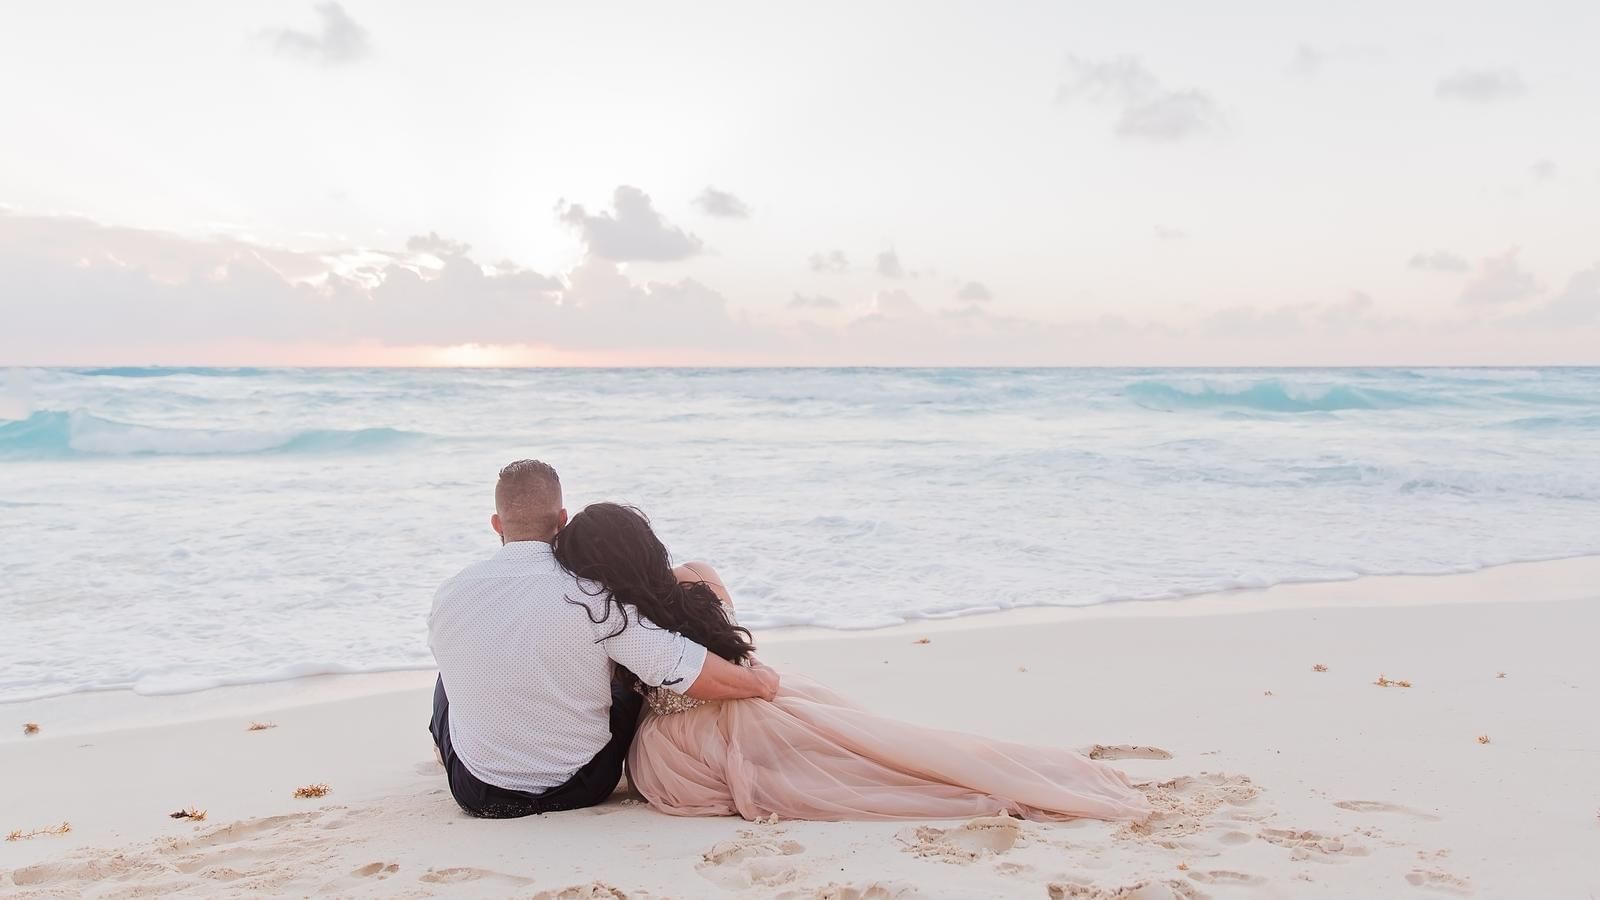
x=578, y=645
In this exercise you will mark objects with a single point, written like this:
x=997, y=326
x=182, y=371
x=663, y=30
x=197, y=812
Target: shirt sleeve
x=659, y=657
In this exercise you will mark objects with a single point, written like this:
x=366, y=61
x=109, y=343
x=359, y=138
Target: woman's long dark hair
x=614, y=546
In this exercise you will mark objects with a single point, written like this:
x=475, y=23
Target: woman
x=808, y=754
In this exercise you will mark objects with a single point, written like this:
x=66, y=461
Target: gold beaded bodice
x=663, y=702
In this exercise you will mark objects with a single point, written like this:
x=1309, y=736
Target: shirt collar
x=524, y=550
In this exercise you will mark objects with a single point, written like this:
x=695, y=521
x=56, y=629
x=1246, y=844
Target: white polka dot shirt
x=528, y=674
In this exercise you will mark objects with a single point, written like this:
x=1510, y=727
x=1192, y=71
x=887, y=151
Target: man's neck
x=527, y=540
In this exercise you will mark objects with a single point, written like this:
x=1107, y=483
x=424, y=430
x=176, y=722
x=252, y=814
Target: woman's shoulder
x=704, y=572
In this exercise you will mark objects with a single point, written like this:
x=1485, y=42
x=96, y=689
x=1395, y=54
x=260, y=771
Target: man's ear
x=563, y=519
x=494, y=522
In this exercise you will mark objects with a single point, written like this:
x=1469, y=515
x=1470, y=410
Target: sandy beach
x=1473, y=770
x=1128, y=410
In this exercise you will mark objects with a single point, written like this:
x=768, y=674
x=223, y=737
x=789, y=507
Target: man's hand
x=722, y=680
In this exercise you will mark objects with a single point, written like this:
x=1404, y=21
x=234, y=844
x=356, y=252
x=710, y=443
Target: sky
x=880, y=183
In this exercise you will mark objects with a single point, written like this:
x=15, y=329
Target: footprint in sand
x=1433, y=879
x=987, y=836
x=594, y=890
x=750, y=860
x=877, y=890
x=1226, y=876
x=249, y=828
x=1311, y=845
x=466, y=873
x=1207, y=791
x=1138, y=890
x=1375, y=806
x=359, y=876
x=376, y=870
x=1127, y=751
x=48, y=873
x=244, y=848
x=1188, y=805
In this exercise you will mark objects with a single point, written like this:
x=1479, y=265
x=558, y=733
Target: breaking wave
x=53, y=434
x=1269, y=395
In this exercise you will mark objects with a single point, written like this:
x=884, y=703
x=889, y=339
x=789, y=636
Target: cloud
x=85, y=285
x=73, y=291
x=434, y=245
x=1121, y=80
x=90, y=293
x=894, y=302
x=974, y=292
x=799, y=301
x=1577, y=305
x=897, y=330
x=1169, y=233
x=1500, y=280
x=831, y=261
x=1481, y=86
x=341, y=40
x=1438, y=261
x=889, y=264
x=1169, y=117
x=1309, y=61
x=721, y=204
x=635, y=231
x=1145, y=109
x=1354, y=315
x=603, y=310
x=1544, y=169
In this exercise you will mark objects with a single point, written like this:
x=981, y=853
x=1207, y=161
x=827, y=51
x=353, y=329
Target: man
x=526, y=715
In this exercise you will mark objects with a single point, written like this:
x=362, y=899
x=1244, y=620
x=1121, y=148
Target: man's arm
x=662, y=658
x=722, y=680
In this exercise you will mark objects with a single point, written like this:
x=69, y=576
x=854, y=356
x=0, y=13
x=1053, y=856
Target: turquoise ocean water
x=170, y=529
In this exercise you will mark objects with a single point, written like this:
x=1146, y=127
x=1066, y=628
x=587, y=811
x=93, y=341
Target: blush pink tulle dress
x=812, y=755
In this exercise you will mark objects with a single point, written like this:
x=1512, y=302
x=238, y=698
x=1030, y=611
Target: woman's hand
x=769, y=678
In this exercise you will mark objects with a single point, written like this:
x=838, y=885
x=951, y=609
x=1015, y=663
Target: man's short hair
x=528, y=499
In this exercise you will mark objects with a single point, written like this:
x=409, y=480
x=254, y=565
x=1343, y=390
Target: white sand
x=1290, y=782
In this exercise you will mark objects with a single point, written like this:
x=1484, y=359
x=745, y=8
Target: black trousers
x=589, y=786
